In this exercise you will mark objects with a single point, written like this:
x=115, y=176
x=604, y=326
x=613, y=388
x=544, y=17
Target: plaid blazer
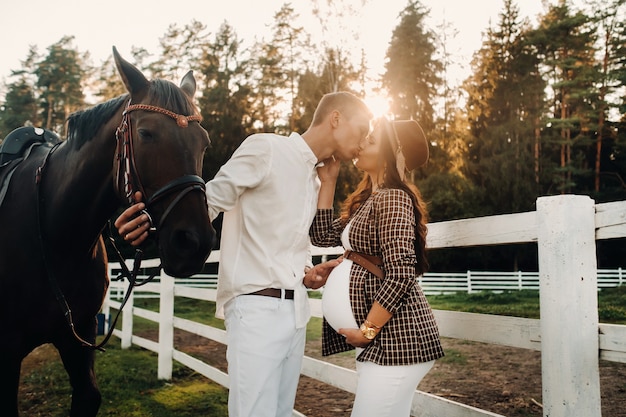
x=383, y=226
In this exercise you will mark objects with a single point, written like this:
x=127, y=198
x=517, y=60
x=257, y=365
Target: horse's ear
x=188, y=84
x=133, y=79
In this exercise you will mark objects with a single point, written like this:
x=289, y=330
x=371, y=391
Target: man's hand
x=132, y=225
x=316, y=277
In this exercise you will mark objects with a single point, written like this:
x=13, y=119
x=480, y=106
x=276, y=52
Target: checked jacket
x=383, y=226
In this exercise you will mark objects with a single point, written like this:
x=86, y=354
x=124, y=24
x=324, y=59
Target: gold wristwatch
x=369, y=331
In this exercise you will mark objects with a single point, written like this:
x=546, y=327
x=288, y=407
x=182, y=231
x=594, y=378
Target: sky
x=97, y=26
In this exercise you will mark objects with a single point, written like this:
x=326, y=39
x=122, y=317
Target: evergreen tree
x=225, y=102
x=412, y=73
x=59, y=80
x=565, y=41
x=20, y=105
x=181, y=50
x=295, y=46
x=19, y=108
x=338, y=37
x=450, y=194
x=504, y=107
x=270, y=87
x=609, y=18
x=309, y=93
x=107, y=83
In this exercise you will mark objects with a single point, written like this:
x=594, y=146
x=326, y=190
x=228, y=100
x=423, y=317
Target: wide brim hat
x=411, y=141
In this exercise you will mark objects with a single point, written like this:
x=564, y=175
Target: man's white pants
x=264, y=354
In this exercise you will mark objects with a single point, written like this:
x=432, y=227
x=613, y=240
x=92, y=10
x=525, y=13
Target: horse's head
x=160, y=152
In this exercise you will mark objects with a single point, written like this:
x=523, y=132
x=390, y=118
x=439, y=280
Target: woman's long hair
x=392, y=179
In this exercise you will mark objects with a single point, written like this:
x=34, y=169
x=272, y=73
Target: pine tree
x=20, y=105
x=609, y=18
x=59, y=80
x=412, y=73
x=295, y=45
x=505, y=96
x=181, y=50
x=107, y=83
x=225, y=102
x=565, y=41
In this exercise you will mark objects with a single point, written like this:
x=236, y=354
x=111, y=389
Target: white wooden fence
x=432, y=283
x=569, y=336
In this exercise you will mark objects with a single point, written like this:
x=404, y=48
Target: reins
x=127, y=181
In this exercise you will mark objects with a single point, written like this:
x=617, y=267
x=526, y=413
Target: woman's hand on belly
x=354, y=337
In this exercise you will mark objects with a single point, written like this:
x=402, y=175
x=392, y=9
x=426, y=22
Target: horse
x=60, y=199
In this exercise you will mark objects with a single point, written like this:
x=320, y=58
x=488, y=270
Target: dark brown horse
x=57, y=204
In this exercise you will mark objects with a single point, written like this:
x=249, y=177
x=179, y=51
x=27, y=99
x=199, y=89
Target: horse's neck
x=78, y=181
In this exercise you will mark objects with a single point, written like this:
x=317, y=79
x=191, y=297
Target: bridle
x=127, y=180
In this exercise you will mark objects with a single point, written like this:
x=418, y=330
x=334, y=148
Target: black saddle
x=21, y=139
x=17, y=146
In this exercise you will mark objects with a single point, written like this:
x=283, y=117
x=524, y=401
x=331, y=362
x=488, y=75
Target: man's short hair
x=343, y=101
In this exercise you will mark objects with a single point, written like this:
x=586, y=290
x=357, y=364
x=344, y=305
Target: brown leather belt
x=274, y=292
x=370, y=262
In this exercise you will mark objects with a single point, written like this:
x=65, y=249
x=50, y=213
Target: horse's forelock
x=169, y=96
x=82, y=125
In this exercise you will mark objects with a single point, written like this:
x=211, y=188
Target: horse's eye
x=145, y=134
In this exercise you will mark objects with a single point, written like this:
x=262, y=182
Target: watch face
x=368, y=332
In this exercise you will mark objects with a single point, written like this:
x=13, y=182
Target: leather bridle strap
x=188, y=183
x=127, y=178
x=181, y=120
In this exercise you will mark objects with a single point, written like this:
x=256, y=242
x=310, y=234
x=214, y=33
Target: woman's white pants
x=387, y=391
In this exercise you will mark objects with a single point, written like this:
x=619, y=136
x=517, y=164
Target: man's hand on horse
x=132, y=224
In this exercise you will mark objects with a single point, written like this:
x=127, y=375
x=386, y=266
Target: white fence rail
x=432, y=282
x=569, y=336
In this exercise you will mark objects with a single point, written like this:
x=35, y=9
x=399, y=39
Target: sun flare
x=378, y=104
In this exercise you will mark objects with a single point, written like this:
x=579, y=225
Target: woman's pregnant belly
x=336, y=298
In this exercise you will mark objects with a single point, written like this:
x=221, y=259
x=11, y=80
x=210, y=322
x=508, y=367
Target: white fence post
x=166, y=328
x=568, y=306
x=127, y=318
x=469, y=281
x=106, y=309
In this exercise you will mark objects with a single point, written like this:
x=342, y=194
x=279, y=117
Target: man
x=268, y=192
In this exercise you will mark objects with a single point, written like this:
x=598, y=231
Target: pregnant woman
x=372, y=301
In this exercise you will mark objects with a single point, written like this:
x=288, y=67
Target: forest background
x=543, y=111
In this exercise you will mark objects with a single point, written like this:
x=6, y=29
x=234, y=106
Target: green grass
x=525, y=303
x=510, y=303
x=453, y=356
x=130, y=388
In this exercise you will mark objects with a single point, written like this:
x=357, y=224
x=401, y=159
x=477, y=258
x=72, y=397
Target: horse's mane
x=83, y=124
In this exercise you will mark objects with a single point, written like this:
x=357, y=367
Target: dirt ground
x=499, y=379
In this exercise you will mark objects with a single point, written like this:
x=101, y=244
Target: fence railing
x=569, y=335
x=433, y=283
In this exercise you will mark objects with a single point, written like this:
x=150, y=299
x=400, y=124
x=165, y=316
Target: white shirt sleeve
x=246, y=168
